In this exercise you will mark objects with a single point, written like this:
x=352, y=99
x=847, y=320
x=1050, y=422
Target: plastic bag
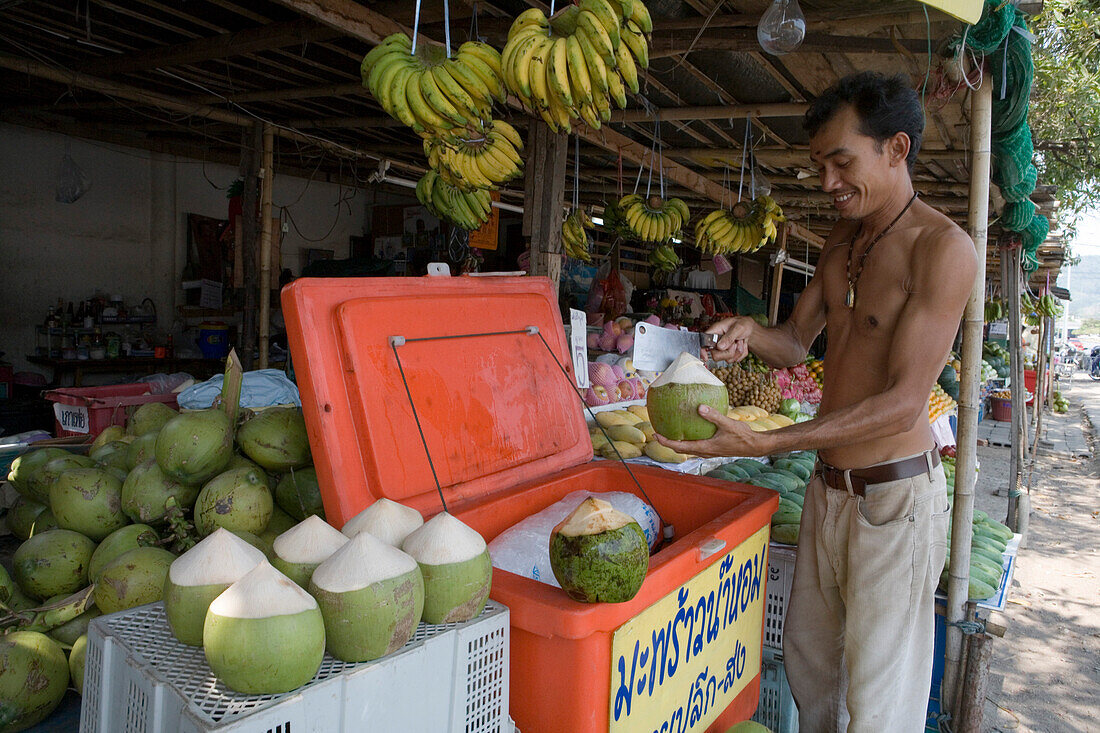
x=610, y=293
x=260, y=388
x=524, y=548
x=72, y=181
x=165, y=383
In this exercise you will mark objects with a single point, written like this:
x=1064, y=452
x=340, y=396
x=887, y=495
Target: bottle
x=98, y=349
x=51, y=320
x=89, y=314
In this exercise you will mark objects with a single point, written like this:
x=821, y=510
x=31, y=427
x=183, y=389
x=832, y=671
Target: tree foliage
x=1065, y=102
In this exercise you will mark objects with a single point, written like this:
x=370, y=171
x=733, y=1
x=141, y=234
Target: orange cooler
x=507, y=437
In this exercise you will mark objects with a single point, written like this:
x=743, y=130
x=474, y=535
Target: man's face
x=854, y=169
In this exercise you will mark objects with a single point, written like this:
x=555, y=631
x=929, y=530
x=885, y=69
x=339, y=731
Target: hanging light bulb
x=782, y=27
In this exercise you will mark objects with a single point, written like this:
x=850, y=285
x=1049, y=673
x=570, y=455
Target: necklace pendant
x=850, y=298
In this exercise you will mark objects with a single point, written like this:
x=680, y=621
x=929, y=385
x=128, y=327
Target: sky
x=1087, y=241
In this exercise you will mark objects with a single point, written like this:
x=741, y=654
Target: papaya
x=798, y=468
x=722, y=474
x=786, y=534
x=749, y=466
x=795, y=497
x=991, y=555
x=980, y=590
x=998, y=529
x=786, y=505
x=991, y=542
x=982, y=575
x=788, y=479
x=765, y=481
x=980, y=516
x=787, y=517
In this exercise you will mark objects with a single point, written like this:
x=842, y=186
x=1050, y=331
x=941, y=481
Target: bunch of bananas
x=468, y=210
x=569, y=67
x=994, y=310
x=653, y=220
x=433, y=94
x=1048, y=306
x=746, y=228
x=487, y=161
x=664, y=258
x=574, y=237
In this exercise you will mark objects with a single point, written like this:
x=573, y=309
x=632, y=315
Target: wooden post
x=544, y=195
x=1019, y=423
x=972, y=702
x=250, y=171
x=777, y=277
x=981, y=103
x=268, y=176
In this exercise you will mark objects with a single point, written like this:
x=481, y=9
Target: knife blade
x=656, y=347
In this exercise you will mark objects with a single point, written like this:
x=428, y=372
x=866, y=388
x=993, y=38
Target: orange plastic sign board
x=494, y=406
x=968, y=11
x=486, y=237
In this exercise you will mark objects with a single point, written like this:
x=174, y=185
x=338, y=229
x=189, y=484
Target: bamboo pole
x=958, y=584
x=268, y=176
x=979, y=651
x=1019, y=424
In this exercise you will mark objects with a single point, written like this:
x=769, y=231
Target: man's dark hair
x=885, y=106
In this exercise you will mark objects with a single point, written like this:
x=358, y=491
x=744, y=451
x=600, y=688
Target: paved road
x=1046, y=670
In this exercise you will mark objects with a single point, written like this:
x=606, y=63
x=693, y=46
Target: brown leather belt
x=861, y=478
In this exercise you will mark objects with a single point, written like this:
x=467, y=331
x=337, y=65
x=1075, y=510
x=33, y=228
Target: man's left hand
x=733, y=439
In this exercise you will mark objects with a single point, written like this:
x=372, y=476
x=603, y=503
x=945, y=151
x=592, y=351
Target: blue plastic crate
x=776, y=708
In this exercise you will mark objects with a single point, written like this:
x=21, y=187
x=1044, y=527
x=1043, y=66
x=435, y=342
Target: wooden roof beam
x=712, y=112
x=743, y=40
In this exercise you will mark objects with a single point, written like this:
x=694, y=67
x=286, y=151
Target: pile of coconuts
x=101, y=529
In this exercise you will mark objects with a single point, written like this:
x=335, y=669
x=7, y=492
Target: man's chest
x=867, y=301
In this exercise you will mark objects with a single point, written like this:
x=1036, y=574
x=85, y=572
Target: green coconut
x=44, y=522
x=143, y=448
x=276, y=439
x=113, y=454
x=371, y=596
x=146, y=490
x=239, y=461
x=599, y=554
x=89, y=501
x=34, y=675
x=118, y=543
x=299, y=495
x=280, y=522
x=237, y=500
x=22, y=515
x=457, y=570
x=45, y=477
x=68, y=632
x=264, y=635
x=149, y=418
x=20, y=601
x=53, y=563
x=7, y=585
x=200, y=575
x=260, y=543
x=387, y=520
x=299, y=550
x=194, y=447
x=132, y=579
x=76, y=662
x=109, y=434
x=674, y=398
x=24, y=468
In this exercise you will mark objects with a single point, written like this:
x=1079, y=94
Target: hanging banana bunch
x=745, y=228
x=570, y=67
x=574, y=236
x=468, y=210
x=487, y=161
x=435, y=95
x=664, y=258
x=1048, y=306
x=994, y=310
x=653, y=220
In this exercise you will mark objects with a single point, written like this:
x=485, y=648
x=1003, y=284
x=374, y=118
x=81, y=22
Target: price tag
x=998, y=330
x=73, y=418
x=578, y=345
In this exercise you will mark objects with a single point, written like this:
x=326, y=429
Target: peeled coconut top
x=221, y=557
x=262, y=593
x=593, y=516
x=312, y=540
x=444, y=540
x=687, y=369
x=387, y=520
x=363, y=560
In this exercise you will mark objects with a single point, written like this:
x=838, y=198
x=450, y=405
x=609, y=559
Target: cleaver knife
x=656, y=347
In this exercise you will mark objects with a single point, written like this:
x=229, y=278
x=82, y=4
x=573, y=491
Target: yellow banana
x=603, y=106
x=578, y=72
x=471, y=83
x=490, y=79
x=597, y=69
x=521, y=63
x=438, y=101
x=627, y=68
x=597, y=34
x=388, y=45
x=384, y=65
x=640, y=15
x=483, y=52
x=532, y=17
x=558, y=70
x=616, y=90
x=455, y=94
x=633, y=37
x=388, y=73
x=424, y=112
x=510, y=133
x=590, y=116
x=607, y=17
x=540, y=84
x=400, y=102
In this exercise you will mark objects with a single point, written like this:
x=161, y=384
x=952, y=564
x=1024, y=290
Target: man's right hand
x=733, y=339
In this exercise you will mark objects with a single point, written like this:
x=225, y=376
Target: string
x=928, y=65
x=744, y=152
x=447, y=26
x=576, y=172
x=474, y=30
x=416, y=25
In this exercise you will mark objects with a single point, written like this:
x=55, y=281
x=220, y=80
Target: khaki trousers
x=858, y=633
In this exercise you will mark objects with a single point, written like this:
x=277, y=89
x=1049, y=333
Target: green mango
x=786, y=534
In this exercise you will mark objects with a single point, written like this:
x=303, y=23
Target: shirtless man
x=890, y=287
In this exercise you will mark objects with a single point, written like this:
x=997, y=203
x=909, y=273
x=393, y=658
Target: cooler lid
x=494, y=407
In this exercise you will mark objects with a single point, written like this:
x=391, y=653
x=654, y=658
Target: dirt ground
x=1045, y=672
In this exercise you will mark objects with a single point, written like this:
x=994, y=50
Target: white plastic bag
x=72, y=181
x=524, y=548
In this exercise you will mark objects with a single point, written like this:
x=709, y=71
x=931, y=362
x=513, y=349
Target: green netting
x=1021, y=190
x=1035, y=233
x=1017, y=215
x=990, y=30
x=1013, y=72
x=1011, y=157
x=1029, y=262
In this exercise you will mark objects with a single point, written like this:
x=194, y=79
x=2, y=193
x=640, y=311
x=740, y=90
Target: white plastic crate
x=449, y=677
x=780, y=578
x=776, y=708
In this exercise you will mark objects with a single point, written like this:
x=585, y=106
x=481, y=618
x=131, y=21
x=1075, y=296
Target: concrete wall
x=127, y=235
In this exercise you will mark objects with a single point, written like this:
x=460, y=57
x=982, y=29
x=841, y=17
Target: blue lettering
x=625, y=693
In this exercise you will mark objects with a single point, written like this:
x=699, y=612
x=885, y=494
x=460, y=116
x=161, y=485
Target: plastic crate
x=88, y=410
x=449, y=677
x=780, y=578
x=776, y=709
